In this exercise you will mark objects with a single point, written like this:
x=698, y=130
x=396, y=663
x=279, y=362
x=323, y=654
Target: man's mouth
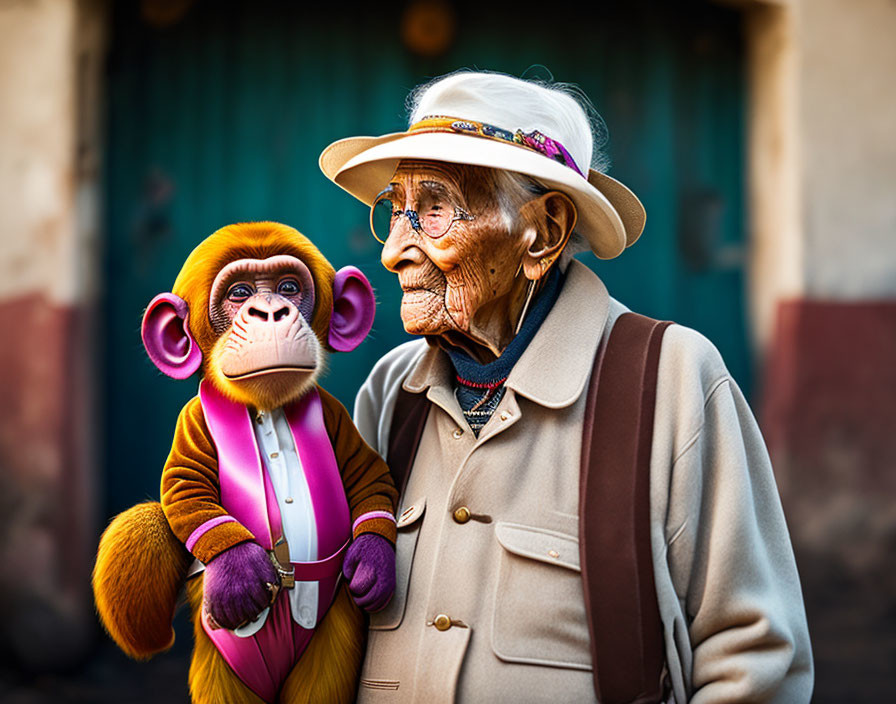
x=416, y=289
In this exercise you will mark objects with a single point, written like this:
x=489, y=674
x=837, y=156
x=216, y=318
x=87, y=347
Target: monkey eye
x=288, y=287
x=240, y=292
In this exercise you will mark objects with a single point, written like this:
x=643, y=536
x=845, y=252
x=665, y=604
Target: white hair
x=560, y=111
x=513, y=189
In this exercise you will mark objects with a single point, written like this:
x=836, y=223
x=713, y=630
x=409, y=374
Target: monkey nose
x=268, y=309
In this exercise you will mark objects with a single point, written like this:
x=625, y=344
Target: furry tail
x=140, y=569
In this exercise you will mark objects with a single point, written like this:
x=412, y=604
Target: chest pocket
x=539, y=610
x=408, y=524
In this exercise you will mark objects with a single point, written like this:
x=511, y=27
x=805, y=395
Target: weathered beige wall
x=50, y=69
x=776, y=229
x=37, y=148
x=823, y=76
x=848, y=130
x=822, y=152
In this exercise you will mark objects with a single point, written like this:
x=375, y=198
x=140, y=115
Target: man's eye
x=240, y=292
x=288, y=287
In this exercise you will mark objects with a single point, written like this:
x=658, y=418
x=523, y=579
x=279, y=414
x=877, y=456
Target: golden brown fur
x=330, y=667
x=254, y=240
x=328, y=671
x=211, y=679
x=136, y=594
x=140, y=567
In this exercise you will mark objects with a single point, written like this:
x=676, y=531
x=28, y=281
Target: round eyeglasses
x=433, y=216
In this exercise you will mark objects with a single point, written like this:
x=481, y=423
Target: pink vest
x=264, y=660
x=248, y=495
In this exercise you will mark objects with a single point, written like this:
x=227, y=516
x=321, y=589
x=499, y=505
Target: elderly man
x=479, y=206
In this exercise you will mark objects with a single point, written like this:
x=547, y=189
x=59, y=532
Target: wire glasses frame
x=434, y=223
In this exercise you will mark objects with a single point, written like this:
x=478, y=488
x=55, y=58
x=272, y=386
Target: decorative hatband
x=534, y=141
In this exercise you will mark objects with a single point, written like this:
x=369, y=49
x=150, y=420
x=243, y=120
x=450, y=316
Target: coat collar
x=555, y=367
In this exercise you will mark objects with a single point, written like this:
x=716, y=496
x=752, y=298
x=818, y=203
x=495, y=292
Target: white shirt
x=284, y=467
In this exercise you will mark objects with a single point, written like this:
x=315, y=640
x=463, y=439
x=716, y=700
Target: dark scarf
x=480, y=387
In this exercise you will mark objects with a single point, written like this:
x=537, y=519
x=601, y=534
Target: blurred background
x=758, y=133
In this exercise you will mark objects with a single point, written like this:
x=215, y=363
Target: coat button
x=462, y=514
x=442, y=622
x=458, y=433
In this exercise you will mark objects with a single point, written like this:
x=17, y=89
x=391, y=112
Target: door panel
x=219, y=116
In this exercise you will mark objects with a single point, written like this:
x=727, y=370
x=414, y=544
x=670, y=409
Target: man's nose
x=400, y=246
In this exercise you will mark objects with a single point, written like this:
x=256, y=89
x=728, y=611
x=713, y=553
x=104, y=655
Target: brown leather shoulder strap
x=614, y=506
x=408, y=419
x=614, y=515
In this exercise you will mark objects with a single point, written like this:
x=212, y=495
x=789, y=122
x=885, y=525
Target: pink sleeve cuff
x=205, y=528
x=371, y=515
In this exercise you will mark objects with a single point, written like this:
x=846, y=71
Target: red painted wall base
x=829, y=417
x=47, y=483
x=829, y=410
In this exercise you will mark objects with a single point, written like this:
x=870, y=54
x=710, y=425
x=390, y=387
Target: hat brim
x=610, y=216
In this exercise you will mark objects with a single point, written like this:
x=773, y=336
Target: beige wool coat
x=489, y=604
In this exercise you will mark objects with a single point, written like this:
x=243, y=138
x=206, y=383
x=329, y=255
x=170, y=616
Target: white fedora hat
x=501, y=122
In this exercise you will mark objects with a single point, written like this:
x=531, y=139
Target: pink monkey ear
x=354, y=307
x=167, y=338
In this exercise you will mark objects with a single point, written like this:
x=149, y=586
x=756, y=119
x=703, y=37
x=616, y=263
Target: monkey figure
x=268, y=484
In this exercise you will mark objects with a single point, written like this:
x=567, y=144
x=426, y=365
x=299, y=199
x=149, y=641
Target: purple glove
x=236, y=584
x=369, y=568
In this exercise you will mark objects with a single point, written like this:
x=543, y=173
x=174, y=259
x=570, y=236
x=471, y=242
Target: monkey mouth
x=271, y=370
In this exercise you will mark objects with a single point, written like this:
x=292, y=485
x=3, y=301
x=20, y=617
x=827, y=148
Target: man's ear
x=550, y=220
x=354, y=307
x=167, y=338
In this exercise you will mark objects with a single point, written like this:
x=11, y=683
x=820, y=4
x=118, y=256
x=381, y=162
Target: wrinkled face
x=261, y=310
x=448, y=280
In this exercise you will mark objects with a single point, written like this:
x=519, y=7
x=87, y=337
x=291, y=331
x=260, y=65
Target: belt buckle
x=280, y=558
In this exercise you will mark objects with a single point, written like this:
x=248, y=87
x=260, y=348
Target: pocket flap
x=539, y=544
x=411, y=514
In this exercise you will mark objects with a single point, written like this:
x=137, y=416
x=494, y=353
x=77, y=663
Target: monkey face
x=254, y=307
x=261, y=310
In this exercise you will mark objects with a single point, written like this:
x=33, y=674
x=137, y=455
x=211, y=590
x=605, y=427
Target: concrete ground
x=852, y=621
x=108, y=677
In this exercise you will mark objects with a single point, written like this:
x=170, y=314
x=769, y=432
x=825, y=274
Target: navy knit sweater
x=480, y=387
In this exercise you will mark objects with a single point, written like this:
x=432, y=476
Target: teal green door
x=220, y=117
